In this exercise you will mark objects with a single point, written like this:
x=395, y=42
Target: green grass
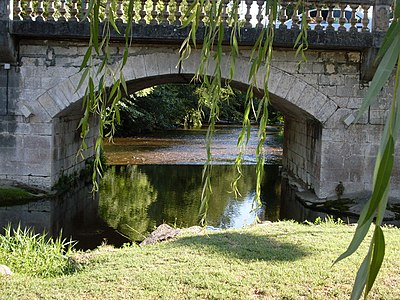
x=270, y=261
x=14, y=196
x=34, y=254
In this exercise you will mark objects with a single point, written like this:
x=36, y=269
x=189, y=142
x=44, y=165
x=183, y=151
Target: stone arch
x=289, y=93
x=306, y=108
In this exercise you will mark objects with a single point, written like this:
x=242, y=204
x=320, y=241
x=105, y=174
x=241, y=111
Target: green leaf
x=125, y=56
x=83, y=78
x=390, y=35
x=381, y=76
x=85, y=60
x=114, y=89
x=377, y=258
x=382, y=179
x=359, y=235
x=95, y=28
x=123, y=83
x=361, y=278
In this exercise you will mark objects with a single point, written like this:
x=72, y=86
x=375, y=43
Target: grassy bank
x=14, y=196
x=270, y=261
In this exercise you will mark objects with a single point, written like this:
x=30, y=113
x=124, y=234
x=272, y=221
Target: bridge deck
x=333, y=24
x=175, y=34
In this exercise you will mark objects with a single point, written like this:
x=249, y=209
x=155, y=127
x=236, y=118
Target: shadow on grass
x=244, y=246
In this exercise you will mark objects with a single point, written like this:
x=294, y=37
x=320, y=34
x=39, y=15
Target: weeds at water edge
x=37, y=255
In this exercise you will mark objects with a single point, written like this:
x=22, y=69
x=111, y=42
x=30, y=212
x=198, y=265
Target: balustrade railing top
x=327, y=15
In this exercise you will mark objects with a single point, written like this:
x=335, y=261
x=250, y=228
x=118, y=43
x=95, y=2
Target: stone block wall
x=347, y=153
x=32, y=141
x=67, y=159
x=302, y=150
x=39, y=140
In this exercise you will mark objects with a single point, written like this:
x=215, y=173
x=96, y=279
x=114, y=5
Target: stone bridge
x=42, y=44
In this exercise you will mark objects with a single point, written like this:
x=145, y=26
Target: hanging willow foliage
x=105, y=85
x=376, y=206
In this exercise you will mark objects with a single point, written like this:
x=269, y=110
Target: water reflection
x=135, y=199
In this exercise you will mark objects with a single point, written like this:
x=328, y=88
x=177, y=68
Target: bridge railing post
x=338, y=15
x=381, y=15
x=6, y=10
x=7, y=46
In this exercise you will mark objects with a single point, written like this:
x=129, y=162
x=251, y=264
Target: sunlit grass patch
x=35, y=254
x=283, y=260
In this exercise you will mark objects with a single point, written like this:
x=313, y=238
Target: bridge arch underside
x=302, y=143
x=314, y=98
x=303, y=132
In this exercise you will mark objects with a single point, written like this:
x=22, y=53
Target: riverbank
x=282, y=260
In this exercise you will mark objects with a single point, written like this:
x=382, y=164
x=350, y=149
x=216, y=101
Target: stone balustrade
x=326, y=15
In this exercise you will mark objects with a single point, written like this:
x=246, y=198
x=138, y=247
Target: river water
x=181, y=147
x=156, y=178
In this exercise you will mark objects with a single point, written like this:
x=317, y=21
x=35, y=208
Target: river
x=156, y=178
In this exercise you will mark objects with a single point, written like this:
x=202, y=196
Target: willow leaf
x=382, y=179
x=361, y=278
x=393, y=30
x=377, y=258
x=123, y=83
x=95, y=28
x=114, y=89
x=381, y=76
x=83, y=78
x=85, y=60
x=359, y=235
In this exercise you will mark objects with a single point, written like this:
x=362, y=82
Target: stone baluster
x=295, y=19
x=224, y=13
x=380, y=15
x=189, y=4
x=39, y=11
x=201, y=17
x=154, y=13
x=260, y=15
x=353, y=19
x=165, y=13
x=282, y=15
x=6, y=13
x=107, y=9
x=318, y=17
x=119, y=12
x=330, y=19
x=133, y=14
x=365, y=20
x=28, y=10
x=62, y=10
x=248, y=15
x=178, y=13
x=73, y=12
x=307, y=11
x=84, y=11
x=18, y=11
x=342, y=18
x=50, y=11
x=142, y=12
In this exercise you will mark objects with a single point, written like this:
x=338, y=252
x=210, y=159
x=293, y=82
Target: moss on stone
x=14, y=195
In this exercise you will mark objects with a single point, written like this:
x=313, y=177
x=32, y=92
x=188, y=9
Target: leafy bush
x=35, y=254
x=169, y=106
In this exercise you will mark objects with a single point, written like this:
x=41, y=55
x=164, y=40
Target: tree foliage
x=170, y=106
